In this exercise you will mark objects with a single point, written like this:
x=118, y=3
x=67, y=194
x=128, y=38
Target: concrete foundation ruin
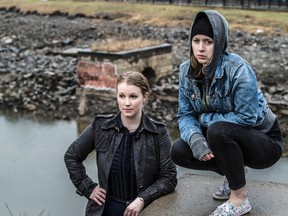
x=97, y=70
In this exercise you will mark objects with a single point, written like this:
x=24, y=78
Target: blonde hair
x=134, y=78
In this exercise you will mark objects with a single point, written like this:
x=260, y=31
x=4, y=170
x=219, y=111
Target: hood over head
x=202, y=26
x=214, y=25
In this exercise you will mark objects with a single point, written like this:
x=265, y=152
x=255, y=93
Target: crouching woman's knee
x=218, y=132
x=178, y=151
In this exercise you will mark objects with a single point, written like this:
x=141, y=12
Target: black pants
x=234, y=147
x=115, y=207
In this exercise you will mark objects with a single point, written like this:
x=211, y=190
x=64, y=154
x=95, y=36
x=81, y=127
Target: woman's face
x=202, y=47
x=130, y=99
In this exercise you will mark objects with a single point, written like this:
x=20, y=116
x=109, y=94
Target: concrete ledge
x=193, y=197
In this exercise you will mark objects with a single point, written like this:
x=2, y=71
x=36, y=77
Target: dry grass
x=112, y=45
x=157, y=14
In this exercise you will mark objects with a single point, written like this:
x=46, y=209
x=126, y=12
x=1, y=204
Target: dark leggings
x=233, y=146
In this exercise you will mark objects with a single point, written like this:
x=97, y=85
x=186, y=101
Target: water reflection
x=33, y=176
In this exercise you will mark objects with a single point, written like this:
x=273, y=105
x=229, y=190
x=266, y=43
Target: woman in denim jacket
x=224, y=121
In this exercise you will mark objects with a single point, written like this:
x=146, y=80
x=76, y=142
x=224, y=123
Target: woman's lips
x=201, y=56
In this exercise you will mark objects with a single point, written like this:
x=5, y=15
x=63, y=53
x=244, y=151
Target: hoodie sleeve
x=187, y=117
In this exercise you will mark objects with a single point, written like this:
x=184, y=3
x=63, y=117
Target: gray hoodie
x=220, y=37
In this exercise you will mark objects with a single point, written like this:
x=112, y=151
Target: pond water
x=33, y=176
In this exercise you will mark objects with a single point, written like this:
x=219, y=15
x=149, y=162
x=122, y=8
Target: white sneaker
x=223, y=191
x=228, y=209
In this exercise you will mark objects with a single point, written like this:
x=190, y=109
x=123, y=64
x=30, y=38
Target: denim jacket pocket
x=223, y=101
x=194, y=99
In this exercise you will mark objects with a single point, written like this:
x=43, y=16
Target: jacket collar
x=146, y=123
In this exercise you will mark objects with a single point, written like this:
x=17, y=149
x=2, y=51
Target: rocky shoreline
x=35, y=79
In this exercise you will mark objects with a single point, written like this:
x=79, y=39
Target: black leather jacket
x=155, y=171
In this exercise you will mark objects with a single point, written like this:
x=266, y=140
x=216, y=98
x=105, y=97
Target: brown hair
x=198, y=68
x=134, y=78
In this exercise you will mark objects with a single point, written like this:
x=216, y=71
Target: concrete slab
x=193, y=197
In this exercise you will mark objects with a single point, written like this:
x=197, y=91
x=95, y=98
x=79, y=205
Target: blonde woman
x=133, y=155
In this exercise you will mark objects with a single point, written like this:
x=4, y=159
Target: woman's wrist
x=141, y=199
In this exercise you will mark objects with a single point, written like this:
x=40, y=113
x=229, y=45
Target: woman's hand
x=207, y=157
x=134, y=208
x=98, y=195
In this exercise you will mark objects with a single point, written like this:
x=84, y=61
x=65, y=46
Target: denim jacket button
x=193, y=96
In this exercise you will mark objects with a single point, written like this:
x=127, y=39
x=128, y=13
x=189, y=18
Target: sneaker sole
x=246, y=211
x=220, y=197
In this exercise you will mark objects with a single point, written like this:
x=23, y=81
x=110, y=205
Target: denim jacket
x=234, y=97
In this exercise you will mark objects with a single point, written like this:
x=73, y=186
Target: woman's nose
x=127, y=101
x=201, y=46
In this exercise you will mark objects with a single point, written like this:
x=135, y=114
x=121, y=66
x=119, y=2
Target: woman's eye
x=209, y=41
